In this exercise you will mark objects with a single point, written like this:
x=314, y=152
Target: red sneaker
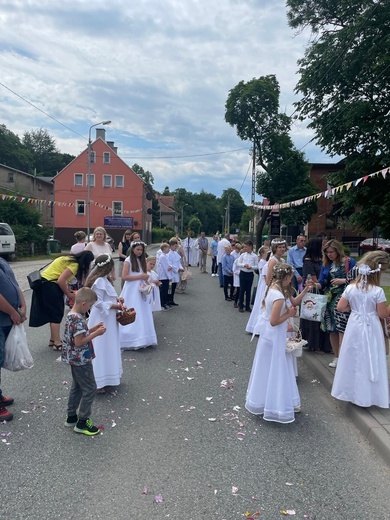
x=6, y=401
x=5, y=415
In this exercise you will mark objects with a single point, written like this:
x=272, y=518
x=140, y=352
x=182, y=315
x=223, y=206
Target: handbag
x=295, y=342
x=186, y=275
x=16, y=353
x=313, y=306
x=35, y=278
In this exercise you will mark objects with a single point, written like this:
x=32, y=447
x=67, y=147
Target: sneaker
x=86, y=427
x=228, y=299
x=166, y=307
x=6, y=401
x=333, y=364
x=5, y=415
x=173, y=304
x=241, y=310
x=71, y=421
x=248, y=309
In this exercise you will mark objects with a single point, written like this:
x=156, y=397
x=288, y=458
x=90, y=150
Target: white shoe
x=333, y=364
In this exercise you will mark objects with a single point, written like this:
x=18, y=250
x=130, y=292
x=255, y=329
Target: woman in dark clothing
x=317, y=340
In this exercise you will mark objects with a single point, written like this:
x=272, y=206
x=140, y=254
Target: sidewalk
x=373, y=422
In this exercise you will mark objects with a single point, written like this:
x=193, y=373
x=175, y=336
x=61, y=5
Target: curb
x=363, y=418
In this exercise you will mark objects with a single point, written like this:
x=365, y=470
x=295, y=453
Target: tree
x=146, y=176
x=344, y=78
x=43, y=150
x=12, y=151
x=233, y=204
x=253, y=108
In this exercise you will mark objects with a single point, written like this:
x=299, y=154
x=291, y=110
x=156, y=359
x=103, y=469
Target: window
x=107, y=181
x=92, y=180
x=10, y=177
x=119, y=181
x=106, y=157
x=80, y=207
x=92, y=157
x=117, y=208
x=78, y=179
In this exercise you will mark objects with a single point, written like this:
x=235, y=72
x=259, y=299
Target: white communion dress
x=272, y=389
x=107, y=365
x=141, y=333
x=361, y=375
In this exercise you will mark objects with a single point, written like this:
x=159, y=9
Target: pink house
x=119, y=198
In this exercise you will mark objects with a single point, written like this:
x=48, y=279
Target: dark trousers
x=228, y=280
x=82, y=392
x=246, y=281
x=294, y=280
x=164, y=288
x=170, y=297
x=220, y=274
x=214, y=265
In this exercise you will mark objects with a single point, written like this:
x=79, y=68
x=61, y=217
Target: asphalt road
x=177, y=429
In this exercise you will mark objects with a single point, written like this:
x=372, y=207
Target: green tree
x=344, y=78
x=12, y=151
x=253, y=108
x=43, y=149
x=233, y=204
x=146, y=176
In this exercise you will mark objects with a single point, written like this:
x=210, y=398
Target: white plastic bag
x=16, y=353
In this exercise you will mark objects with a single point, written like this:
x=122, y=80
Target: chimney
x=101, y=132
x=114, y=148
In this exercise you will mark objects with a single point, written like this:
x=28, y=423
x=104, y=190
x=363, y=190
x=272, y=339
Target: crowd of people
x=350, y=326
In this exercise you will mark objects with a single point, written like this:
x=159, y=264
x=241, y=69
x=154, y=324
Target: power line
x=180, y=156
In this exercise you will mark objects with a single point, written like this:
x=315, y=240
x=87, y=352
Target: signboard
x=119, y=222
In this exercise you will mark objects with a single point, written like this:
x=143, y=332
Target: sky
x=160, y=70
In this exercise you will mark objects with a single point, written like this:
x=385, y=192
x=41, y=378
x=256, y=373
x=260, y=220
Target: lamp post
x=89, y=176
x=182, y=216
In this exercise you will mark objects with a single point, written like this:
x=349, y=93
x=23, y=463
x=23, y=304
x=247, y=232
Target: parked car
x=7, y=241
x=109, y=239
x=371, y=245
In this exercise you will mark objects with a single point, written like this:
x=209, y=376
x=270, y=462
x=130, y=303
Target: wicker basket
x=294, y=343
x=126, y=317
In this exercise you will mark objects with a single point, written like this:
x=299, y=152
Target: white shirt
x=221, y=248
x=250, y=259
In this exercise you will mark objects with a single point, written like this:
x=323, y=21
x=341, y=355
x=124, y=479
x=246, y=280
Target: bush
x=161, y=234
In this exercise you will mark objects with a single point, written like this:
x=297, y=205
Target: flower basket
x=126, y=317
x=294, y=343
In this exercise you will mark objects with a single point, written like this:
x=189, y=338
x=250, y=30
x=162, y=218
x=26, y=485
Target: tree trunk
x=260, y=227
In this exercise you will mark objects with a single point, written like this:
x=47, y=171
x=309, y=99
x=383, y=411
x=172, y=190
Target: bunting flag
x=16, y=198
x=326, y=194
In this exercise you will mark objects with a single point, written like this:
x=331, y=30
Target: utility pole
x=253, y=190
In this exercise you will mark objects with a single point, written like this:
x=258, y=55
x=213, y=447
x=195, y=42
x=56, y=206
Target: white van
x=7, y=241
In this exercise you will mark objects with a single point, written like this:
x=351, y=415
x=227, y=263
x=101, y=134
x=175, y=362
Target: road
x=177, y=430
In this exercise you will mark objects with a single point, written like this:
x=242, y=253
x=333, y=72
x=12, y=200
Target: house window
x=106, y=157
x=107, y=181
x=78, y=179
x=119, y=181
x=10, y=177
x=80, y=207
x=117, y=208
x=92, y=157
x=92, y=180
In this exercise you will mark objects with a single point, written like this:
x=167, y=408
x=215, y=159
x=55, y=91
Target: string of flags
x=327, y=193
x=51, y=203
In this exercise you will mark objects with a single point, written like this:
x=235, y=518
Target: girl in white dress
x=107, y=365
x=141, y=333
x=272, y=389
x=361, y=376
x=264, y=253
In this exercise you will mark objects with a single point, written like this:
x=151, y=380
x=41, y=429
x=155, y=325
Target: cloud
x=160, y=71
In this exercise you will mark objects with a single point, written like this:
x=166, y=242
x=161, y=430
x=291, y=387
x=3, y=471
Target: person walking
x=12, y=312
x=203, y=244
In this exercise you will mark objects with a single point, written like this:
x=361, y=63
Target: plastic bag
x=16, y=353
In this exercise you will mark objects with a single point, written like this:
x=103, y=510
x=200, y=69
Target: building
x=39, y=189
x=168, y=215
x=119, y=198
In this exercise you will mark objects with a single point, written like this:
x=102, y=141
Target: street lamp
x=89, y=175
x=182, y=215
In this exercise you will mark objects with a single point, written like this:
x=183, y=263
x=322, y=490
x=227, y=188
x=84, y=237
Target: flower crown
x=365, y=270
x=278, y=241
x=105, y=262
x=283, y=269
x=137, y=243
